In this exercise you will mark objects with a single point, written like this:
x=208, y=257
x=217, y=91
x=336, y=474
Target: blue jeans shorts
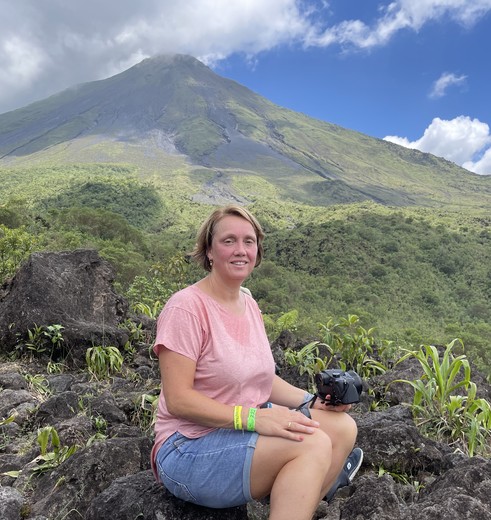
x=212, y=471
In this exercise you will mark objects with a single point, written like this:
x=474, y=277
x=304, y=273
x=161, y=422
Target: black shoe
x=350, y=469
x=353, y=463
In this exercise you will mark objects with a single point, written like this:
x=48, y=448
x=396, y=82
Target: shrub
x=353, y=345
x=15, y=246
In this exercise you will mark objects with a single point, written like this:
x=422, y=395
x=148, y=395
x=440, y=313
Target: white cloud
x=462, y=140
x=43, y=41
x=22, y=64
x=103, y=38
x=397, y=16
x=482, y=166
x=446, y=80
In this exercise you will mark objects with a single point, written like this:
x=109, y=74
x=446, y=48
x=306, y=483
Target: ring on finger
x=289, y=425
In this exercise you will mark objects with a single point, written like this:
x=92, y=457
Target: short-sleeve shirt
x=234, y=362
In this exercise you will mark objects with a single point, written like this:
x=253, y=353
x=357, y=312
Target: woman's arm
x=183, y=401
x=177, y=374
x=285, y=394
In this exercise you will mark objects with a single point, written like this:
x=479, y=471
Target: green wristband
x=251, y=420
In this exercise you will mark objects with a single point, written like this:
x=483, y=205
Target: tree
x=15, y=246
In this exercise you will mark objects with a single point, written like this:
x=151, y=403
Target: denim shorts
x=212, y=471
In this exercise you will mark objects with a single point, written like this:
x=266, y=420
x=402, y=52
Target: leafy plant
x=403, y=478
x=55, y=367
x=103, y=361
x=49, y=460
x=38, y=384
x=44, y=338
x=441, y=411
x=347, y=341
x=36, y=340
x=137, y=335
x=8, y=420
x=353, y=345
x=151, y=311
x=54, y=334
x=307, y=359
x=146, y=412
x=100, y=425
x=287, y=321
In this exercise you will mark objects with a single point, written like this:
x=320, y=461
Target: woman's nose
x=239, y=248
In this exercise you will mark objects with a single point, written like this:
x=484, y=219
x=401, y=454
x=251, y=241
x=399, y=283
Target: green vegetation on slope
x=415, y=279
x=418, y=275
x=138, y=203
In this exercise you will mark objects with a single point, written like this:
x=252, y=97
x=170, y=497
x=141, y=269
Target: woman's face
x=233, y=249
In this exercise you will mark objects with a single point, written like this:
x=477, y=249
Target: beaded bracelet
x=238, y=417
x=251, y=420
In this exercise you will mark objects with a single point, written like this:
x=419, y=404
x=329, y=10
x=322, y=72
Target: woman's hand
x=280, y=421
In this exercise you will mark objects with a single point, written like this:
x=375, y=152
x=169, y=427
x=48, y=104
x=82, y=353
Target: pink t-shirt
x=234, y=363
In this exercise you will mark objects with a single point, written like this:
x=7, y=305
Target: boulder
x=69, y=489
x=72, y=289
x=391, y=441
x=11, y=502
x=139, y=496
x=462, y=492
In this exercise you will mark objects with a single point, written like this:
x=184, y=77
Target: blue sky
x=413, y=71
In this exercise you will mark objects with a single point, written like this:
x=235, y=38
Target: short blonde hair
x=207, y=229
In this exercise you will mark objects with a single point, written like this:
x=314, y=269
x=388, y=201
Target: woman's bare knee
x=321, y=445
x=338, y=426
x=272, y=454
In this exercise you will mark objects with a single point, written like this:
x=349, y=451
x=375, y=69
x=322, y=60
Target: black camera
x=336, y=386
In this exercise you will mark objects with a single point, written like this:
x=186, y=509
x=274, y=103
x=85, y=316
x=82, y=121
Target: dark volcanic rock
x=391, y=440
x=72, y=289
x=139, y=496
x=11, y=502
x=87, y=473
x=404, y=475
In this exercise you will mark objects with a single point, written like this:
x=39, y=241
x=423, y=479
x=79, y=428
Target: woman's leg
x=342, y=430
x=292, y=473
x=297, y=475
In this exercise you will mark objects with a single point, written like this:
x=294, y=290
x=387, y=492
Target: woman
x=215, y=446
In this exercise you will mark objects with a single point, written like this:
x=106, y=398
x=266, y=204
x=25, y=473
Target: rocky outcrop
x=72, y=289
x=101, y=468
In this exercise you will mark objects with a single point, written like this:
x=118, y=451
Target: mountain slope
x=173, y=113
